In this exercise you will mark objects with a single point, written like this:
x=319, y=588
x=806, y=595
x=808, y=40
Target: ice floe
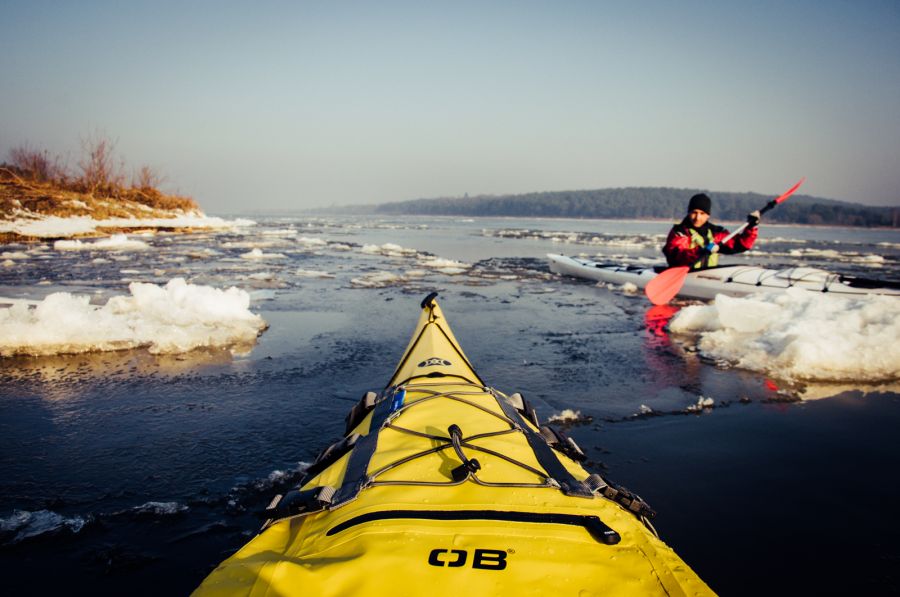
x=160, y=508
x=388, y=250
x=568, y=416
x=308, y=273
x=633, y=241
x=248, y=491
x=280, y=232
x=259, y=254
x=800, y=335
x=832, y=255
x=702, y=404
x=174, y=318
x=116, y=242
x=280, y=476
x=311, y=242
x=22, y=524
x=377, y=280
x=445, y=266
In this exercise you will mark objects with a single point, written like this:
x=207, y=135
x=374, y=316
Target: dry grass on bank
x=44, y=183
x=35, y=185
x=44, y=198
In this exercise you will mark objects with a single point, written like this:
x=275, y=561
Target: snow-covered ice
x=259, y=254
x=800, y=335
x=566, y=416
x=377, y=280
x=174, y=318
x=445, y=266
x=23, y=524
x=388, y=250
x=116, y=242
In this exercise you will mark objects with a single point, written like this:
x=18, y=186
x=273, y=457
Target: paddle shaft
x=740, y=228
x=770, y=205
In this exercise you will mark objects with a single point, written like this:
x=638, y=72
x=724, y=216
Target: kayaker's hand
x=709, y=250
x=753, y=219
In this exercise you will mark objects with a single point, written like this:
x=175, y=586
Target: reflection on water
x=657, y=318
x=811, y=391
x=58, y=371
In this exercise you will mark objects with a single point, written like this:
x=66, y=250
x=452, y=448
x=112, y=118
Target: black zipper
x=592, y=524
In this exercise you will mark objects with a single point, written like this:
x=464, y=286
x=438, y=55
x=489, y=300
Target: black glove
x=753, y=219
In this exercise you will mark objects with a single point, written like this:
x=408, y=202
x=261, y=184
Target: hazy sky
x=308, y=104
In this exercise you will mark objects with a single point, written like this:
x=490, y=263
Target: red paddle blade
x=790, y=191
x=663, y=288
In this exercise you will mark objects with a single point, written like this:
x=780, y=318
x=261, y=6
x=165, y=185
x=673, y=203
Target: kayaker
x=694, y=241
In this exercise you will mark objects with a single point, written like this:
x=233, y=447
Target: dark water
x=141, y=473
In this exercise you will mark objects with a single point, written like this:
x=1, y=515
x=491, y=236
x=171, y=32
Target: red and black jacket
x=684, y=244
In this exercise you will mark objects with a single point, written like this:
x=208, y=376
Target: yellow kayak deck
x=445, y=486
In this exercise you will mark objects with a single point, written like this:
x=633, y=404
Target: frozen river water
x=139, y=470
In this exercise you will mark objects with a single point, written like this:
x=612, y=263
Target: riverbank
x=33, y=211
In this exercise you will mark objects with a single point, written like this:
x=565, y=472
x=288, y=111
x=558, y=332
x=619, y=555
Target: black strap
x=298, y=502
x=356, y=476
x=329, y=456
x=545, y=455
x=633, y=502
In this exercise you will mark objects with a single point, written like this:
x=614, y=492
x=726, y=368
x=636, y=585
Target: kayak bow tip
x=428, y=301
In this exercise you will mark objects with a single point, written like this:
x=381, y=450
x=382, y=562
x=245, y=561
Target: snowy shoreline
x=33, y=226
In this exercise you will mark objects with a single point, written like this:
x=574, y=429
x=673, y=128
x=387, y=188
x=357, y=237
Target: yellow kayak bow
x=445, y=486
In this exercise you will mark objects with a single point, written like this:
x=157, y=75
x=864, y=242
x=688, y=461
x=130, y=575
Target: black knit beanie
x=701, y=202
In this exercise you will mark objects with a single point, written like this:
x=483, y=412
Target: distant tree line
x=648, y=203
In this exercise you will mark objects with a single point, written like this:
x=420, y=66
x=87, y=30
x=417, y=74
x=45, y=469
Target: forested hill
x=648, y=203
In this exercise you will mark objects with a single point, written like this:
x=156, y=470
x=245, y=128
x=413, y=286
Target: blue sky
x=310, y=104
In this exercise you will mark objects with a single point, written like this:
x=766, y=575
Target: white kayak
x=731, y=280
